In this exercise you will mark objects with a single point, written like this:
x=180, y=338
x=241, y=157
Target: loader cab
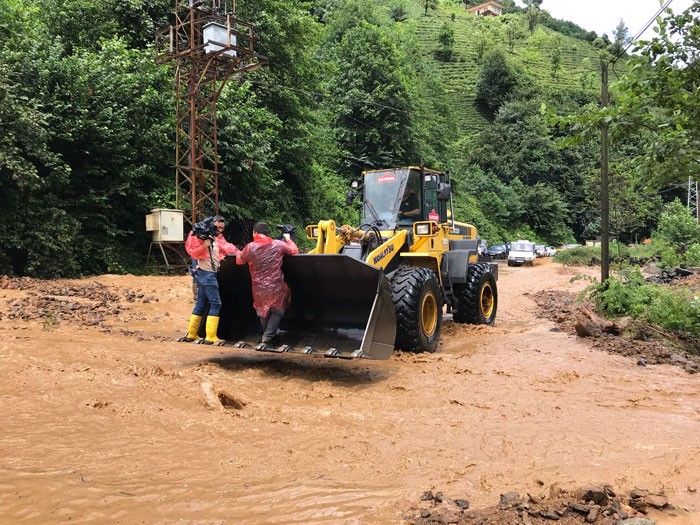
x=392, y=196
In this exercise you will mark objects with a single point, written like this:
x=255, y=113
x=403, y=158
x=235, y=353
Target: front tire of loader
x=478, y=298
x=417, y=300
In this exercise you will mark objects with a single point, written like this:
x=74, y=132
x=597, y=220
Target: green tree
x=547, y=213
x=677, y=226
x=284, y=155
x=85, y=23
x=446, y=39
x=369, y=100
x=658, y=97
x=633, y=212
x=37, y=238
x=533, y=16
x=514, y=33
x=97, y=121
x=398, y=11
x=622, y=39
x=556, y=56
x=429, y=4
x=498, y=79
x=109, y=115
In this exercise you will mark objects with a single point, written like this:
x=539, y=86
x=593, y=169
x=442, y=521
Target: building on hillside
x=489, y=8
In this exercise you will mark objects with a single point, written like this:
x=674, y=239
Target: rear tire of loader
x=478, y=298
x=417, y=300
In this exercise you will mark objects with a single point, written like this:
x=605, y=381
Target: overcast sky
x=602, y=16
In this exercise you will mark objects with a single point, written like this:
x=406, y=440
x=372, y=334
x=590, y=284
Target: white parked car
x=550, y=251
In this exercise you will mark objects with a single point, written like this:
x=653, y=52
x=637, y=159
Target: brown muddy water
x=117, y=424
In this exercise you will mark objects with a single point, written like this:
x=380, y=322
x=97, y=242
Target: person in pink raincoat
x=208, y=253
x=271, y=295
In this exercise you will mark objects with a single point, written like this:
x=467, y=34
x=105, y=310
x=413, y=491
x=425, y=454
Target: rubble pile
x=668, y=276
x=624, y=336
x=89, y=304
x=595, y=504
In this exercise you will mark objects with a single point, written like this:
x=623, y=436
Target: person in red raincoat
x=208, y=253
x=271, y=295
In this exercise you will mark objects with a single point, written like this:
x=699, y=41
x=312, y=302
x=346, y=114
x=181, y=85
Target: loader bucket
x=341, y=307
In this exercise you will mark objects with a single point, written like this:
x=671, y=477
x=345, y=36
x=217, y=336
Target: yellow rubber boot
x=195, y=321
x=212, y=327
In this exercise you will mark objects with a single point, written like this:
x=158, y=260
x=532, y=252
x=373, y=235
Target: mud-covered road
x=114, y=423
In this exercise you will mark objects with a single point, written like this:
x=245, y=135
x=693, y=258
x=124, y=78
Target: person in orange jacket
x=207, y=245
x=271, y=295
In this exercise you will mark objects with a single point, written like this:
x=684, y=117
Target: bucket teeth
x=307, y=350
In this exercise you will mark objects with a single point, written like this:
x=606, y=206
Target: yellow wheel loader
x=368, y=290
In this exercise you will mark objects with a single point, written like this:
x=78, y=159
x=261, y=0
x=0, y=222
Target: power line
x=618, y=55
x=643, y=30
x=651, y=21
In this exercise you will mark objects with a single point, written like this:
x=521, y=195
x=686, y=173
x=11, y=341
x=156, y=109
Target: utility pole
x=604, y=197
x=206, y=45
x=693, y=198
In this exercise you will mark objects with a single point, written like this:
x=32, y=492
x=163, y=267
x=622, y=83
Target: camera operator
x=207, y=245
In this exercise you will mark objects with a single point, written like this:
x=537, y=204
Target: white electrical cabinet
x=166, y=225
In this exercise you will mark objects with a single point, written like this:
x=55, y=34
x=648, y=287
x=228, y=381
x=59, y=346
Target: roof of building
x=489, y=3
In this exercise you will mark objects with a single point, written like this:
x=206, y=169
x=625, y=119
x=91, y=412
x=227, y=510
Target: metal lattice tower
x=693, y=198
x=206, y=45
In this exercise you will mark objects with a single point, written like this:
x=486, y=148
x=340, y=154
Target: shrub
x=692, y=255
x=583, y=256
x=677, y=226
x=630, y=296
x=673, y=310
x=668, y=256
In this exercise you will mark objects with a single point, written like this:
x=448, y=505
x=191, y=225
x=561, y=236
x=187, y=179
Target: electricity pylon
x=206, y=45
x=693, y=198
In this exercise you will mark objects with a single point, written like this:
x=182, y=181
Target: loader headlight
x=423, y=229
x=312, y=232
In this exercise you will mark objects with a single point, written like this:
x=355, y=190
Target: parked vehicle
x=550, y=251
x=521, y=252
x=539, y=250
x=498, y=251
x=568, y=246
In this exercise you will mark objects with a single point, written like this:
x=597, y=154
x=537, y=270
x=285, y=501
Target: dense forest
x=510, y=104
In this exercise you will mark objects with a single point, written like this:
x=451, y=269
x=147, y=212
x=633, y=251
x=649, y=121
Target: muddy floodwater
x=112, y=422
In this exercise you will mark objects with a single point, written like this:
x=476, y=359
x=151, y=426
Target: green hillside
x=533, y=53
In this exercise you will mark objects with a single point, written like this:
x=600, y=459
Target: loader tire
x=477, y=299
x=418, y=303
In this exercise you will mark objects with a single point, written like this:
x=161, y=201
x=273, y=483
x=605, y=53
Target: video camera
x=287, y=228
x=205, y=229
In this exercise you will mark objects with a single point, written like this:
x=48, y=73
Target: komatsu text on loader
x=365, y=291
